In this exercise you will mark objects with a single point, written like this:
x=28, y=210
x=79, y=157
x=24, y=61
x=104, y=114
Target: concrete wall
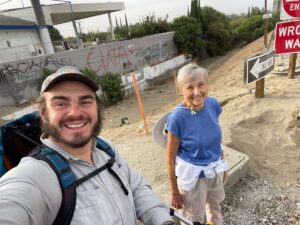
x=20, y=80
x=23, y=44
x=142, y=77
x=151, y=72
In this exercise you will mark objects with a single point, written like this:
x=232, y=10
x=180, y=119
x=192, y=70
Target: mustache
x=69, y=119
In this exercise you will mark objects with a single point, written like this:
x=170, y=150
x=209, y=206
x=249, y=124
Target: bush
x=111, y=84
x=188, y=33
x=112, y=87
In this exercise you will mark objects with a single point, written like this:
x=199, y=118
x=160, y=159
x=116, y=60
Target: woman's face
x=195, y=91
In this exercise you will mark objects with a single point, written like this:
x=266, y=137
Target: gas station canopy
x=63, y=12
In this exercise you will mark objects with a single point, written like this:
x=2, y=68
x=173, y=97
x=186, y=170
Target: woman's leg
x=194, y=202
x=215, y=195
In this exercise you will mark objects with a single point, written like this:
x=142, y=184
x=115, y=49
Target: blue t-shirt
x=200, y=134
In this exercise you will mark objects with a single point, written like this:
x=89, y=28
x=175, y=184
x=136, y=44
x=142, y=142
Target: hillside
x=267, y=129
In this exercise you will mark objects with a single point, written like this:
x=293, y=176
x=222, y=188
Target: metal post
x=74, y=25
x=73, y=21
x=111, y=27
x=43, y=30
x=266, y=27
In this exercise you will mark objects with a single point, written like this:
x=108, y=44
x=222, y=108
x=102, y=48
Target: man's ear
x=42, y=116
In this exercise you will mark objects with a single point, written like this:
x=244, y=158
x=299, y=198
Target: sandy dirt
x=267, y=129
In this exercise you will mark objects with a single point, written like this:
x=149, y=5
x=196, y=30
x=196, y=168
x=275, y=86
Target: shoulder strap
x=66, y=180
x=104, y=146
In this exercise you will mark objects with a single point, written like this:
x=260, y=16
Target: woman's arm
x=172, y=148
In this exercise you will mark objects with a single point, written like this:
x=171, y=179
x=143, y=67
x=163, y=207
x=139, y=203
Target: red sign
x=292, y=7
x=287, y=38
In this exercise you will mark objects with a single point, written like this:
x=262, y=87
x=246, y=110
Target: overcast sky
x=137, y=9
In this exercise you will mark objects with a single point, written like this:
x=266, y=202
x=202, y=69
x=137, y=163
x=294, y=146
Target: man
x=70, y=113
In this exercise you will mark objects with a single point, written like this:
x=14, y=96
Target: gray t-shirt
x=30, y=194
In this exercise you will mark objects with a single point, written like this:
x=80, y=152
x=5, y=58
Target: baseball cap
x=69, y=73
x=159, y=132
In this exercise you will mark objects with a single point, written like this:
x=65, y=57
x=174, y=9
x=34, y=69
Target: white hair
x=190, y=72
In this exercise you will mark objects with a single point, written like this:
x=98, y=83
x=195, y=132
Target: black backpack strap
x=101, y=144
x=66, y=180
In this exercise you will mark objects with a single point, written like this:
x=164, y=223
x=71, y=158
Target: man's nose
x=74, y=109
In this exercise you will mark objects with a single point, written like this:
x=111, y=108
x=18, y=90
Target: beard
x=78, y=140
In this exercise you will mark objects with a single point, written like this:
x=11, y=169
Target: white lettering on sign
x=294, y=7
x=289, y=31
x=291, y=43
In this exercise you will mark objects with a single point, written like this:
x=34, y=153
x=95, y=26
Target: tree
x=255, y=11
x=250, y=29
x=55, y=34
x=217, y=31
x=188, y=35
x=196, y=10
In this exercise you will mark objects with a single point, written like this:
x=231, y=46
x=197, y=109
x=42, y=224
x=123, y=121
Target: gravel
x=253, y=201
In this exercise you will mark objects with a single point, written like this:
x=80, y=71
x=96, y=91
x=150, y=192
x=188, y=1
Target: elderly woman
x=195, y=162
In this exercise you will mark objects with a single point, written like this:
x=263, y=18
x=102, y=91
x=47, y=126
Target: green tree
x=196, y=10
x=188, y=34
x=250, y=29
x=255, y=11
x=217, y=31
x=55, y=34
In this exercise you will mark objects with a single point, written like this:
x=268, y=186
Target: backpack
x=21, y=137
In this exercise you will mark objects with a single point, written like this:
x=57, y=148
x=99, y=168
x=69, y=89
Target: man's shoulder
x=33, y=171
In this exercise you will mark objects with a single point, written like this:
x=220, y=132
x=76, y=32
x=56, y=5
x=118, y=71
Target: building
x=19, y=39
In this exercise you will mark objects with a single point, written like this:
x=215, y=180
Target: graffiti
x=29, y=70
x=118, y=57
x=127, y=80
x=3, y=80
x=101, y=62
x=50, y=61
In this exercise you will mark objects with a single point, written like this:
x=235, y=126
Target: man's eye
x=60, y=104
x=86, y=102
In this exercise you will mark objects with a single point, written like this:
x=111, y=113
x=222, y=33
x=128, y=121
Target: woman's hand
x=176, y=200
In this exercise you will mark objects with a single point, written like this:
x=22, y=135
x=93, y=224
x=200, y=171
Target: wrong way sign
x=258, y=67
x=287, y=37
x=290, y=9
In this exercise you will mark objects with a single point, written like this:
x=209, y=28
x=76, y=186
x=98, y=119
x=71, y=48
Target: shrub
x=188, y=34
x=112, y=87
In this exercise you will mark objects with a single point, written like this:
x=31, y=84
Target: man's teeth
x=75, y=125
